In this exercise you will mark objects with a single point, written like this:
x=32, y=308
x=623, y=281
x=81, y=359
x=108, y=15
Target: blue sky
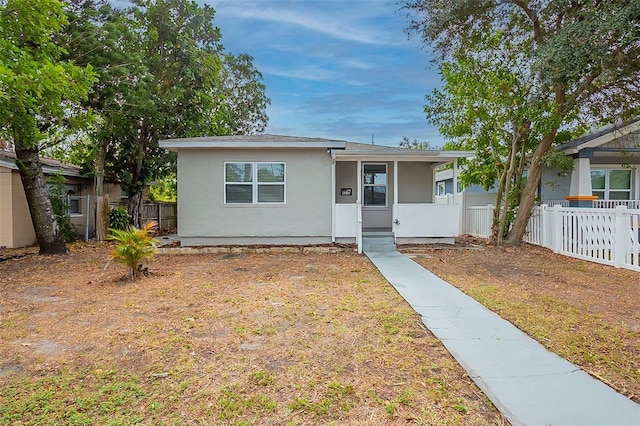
x=342, y=69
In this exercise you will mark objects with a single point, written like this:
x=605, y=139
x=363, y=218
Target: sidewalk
x=527, y=383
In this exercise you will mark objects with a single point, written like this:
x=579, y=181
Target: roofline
x=606, y=138
x=195, y=143
x=45, y=169
x=404, y=155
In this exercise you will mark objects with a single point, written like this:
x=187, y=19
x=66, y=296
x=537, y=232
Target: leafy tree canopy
x=517, y=73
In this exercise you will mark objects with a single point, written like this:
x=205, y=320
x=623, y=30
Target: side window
x=238, y=178
x=254, y=183
x=611, y=184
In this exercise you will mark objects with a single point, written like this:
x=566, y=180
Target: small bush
x=134, y=246
x=118, y=218
x=60, y=207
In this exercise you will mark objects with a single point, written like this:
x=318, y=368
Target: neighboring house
x=445, y=184
x=266, y=189
x=16, y=228
x=605, y=168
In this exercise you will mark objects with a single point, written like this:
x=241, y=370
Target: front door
x=376, y=208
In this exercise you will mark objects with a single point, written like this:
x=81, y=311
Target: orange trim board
x=581, y=197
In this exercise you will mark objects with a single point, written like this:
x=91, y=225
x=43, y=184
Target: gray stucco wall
x=415, y=182
x=553, y=186
x=347, y=177
x=203, y=218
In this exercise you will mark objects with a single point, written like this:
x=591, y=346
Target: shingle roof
x=8, y=159
x=251, y=141
x=603, y=131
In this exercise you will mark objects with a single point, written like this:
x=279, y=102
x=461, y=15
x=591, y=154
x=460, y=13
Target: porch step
x=378, y=242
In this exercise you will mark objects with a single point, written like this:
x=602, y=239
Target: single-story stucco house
x=605, y=168
x=266, y=189
x=16, y=228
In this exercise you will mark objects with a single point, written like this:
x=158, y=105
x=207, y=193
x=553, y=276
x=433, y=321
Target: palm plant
x=134, y=246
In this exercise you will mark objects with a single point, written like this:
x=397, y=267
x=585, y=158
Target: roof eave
x=435, y=156
x=174, y=145
x=603, y=139
x=45, y=169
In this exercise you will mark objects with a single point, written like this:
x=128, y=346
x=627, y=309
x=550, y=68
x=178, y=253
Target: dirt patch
x=230, y=338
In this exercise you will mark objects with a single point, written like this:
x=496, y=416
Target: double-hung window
x=611, y=184
x=254, y=183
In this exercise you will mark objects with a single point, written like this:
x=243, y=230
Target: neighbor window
x=74, y=206
x=441, y=188
x=254, y=183
x=375, y=184
x=611, y=184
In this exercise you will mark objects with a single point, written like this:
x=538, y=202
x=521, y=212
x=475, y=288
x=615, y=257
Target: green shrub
x=60, y=207
x=134, y=246
x=118, y=218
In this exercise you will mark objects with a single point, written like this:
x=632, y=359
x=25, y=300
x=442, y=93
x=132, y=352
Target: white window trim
x=386, y=186
x=607, y=180
x=254, y=183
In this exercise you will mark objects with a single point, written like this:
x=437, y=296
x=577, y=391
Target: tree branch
x=537, y=32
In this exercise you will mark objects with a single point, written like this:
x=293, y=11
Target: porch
x=390, y=193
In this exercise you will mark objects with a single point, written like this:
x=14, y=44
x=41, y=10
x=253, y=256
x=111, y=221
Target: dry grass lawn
x=279, y=338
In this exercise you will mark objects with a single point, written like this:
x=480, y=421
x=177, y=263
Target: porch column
x=580, y=193
x=455, y=180
x=395, y=182
x=359, y=190
x=333, y=198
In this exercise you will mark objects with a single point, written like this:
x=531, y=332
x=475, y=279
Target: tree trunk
x=506, y=200
x=102, y=206
x=495, y=227
x=137, y=180
x=50, y=239
x=529, y=193
x=135, y=208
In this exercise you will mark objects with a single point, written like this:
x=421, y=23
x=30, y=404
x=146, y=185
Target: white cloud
x=336, y=20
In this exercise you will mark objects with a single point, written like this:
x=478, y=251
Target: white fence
x=478, y=221
x=612, y=204
x=608, y=236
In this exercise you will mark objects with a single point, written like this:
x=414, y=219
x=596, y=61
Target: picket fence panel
x=607, y=236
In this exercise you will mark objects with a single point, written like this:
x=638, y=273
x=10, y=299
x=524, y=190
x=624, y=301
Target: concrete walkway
x=527, y=383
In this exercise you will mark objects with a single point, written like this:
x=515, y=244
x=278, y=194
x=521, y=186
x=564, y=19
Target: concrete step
x=377, y=248
x=379, y=242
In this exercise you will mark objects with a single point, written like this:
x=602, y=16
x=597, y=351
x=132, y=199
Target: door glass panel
x=599, y=194
x=375, y=174
x=375, y=195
